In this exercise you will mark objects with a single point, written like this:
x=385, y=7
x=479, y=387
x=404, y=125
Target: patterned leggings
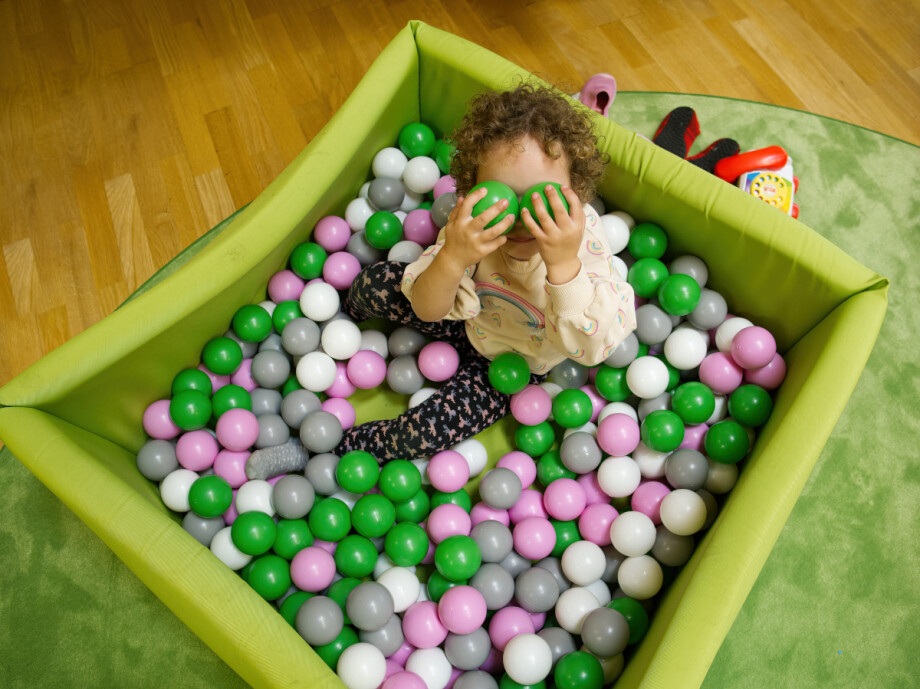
x=464, y=405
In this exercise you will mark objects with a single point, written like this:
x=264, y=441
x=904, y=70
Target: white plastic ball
x=690, y=265
x=601, y=591
x=685, y=348
x=625, y=217
x=268, y=306
x=357, y=212
x=225, y=550
x=422, y=465
x=618, y=408
x=432, y=665
x=647, y=377
x=633, y=533
x=722, y=477
x=551, y=388
x=583, y=562
x=362, y=666
x=411, y=201
x=384, y=564
x=620, y=267
x=315, y=371
x=175, y=487
x=619, y=477
x=640, y=577
x=573, y=607
x=528, y=659
x=421, y=174
x=389, y=162
x=617, y=231
x=319, y=301
x=420, y=396
x=683, y=512
x=255, y=496
x=612, y=667
x=403, y=585
x=364, y=191
x=349, y=498
x=726, y=332
x=650, y=462
x=475, y=454
x=375, y=341
x=341, y=339
x=720, y=410
x=588, y=428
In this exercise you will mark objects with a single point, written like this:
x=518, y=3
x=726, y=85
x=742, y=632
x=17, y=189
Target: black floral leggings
x=464, y=405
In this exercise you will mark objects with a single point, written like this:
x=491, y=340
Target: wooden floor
x=128, y=128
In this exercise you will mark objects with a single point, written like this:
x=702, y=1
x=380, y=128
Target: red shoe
x=723, y=148
x=598, y=93
x=678, y=131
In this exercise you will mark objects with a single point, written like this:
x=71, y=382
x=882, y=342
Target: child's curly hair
x=502, y=117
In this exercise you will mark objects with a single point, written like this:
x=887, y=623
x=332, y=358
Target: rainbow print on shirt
x=497, y=297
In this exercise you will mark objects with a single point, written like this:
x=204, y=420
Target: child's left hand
x=559, y=240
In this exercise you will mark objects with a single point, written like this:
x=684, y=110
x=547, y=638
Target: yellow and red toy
x=765, y=173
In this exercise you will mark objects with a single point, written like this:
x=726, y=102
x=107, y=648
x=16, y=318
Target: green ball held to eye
x=527, y=199
x=495, y=192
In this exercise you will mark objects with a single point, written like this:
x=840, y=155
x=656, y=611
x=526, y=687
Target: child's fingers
x=576, y=209
x=531, y=224
x=500, y=227
x=492, y=212
x=543, y=217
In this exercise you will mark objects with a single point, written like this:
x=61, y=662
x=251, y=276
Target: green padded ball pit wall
x=74, y=418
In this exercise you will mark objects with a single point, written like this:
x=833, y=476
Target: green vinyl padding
x=74, y=417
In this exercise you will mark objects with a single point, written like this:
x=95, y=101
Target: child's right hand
x=466, y=238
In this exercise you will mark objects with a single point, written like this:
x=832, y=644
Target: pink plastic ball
x=237, y=429
x=217, y=382
x=231, y=466
x=197, y=450
x=232, y=513
x=419, y=227
x=312, y=569
x=593, y=492
x=445, y=185
x=618, y=435
x=597, y=402
x=594, y=523
x=493, y=664
x=243, y=376
x=482, y=512
x=647, y=499
x=421, y=625
x=565, y=499
x=328, y=546
x=521, y=464
x=341, y=409
x=429, y=556
x=768, y=377
x=448, y=520
x=342, y=385
x=530, y=504
x=539, y=619
x=753, y=347
x=366, y=369
x=462, y=609
x=531, y=406
x=285, y=285
x=438, y=361
x=534, y=537
x=403, y=652
x=507, y=623
x=158, y=423
x=693, y=437
x=448, y=471
x=720, y=372
x=403, y=680
x=332, y=233
x=341, y=269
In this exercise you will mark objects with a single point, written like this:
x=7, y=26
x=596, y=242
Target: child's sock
x=678, y=131
x=723, y=148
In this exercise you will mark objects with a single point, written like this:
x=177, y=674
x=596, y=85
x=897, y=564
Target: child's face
x=520, y=165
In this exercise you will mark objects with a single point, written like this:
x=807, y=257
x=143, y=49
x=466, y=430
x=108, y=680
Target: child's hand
x=466, y=238
x=559, y=240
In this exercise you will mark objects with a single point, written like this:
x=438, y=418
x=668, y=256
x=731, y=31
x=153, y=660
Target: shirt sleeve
x=590, y=315
x=466, y=305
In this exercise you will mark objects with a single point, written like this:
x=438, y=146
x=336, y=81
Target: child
x=546, y=289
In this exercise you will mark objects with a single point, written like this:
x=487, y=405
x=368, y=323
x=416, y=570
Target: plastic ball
x=710, y=311
x=438, y=361
x=646, y=276
x=685, y=348
x=389, y=639
x=550, y=468
x=448, y=471
x=399, y=480
x=252, y=323
x=508, y=623
x=421, y=625
x=539, y=190
x=534, y=537
x=531, y=406
x=415, y=509
x=340, y=270
x=678, y=294
x=720, y=372
x=500, y=488
x=727, y=442
x=403, y=375
x=468, y=651
x=494, y=540
x=495, y=192
x=307, y=260
x=319, y=620
x=462, y=609
x=253, y=532
x=210, y=496
x=419, y=227
x=647, y=377
x=605, y=632
x=527, y=659
x=270, y=577
x=331, y=233
x=683, y=512
x=662, y=430
x=640, y=577
x=647, y=240
x=447, y=520
x=753, y=347
x=331, y=652
x=573, y=607
x=190, y=410
x=431, y=665
x=647, y=499
x=357, y=471
x=383, y=229
x=369, y=606
x=535, y=440
x=727, y=330
x=389, y=162
x=653, y=324
x=319, y=301
x=361, y=666
x=442, y=153
x=750, y=405
x=403, y=585
x=196, y=450
x=237, y=429
x=564, y=499
x=386, y=193
x=330, y=520
x=359, y=247
x=421, y=174
x=442, y=208
x=222, y=356
x=632, y=533
x=618, y=434
x=457, y=557
x=768, y=377
x=293, y=535
x=617, y=231
x=509, y=373
x=192, y=379
x=175, y=488
x=355, y=556
x=406, y=544
x=693, y=402
x=572, y=408
x=686, y=468
x=404, y=680
x=475, y=454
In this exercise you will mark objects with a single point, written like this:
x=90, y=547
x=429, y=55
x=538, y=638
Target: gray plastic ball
x=476, y=679
x=157, y=459
x=500, y=488
x=272, y=431
x=712, y=507
x=494, y=540
x=670, y=549
x=536, y=590
x=614, y=558
x=710, y=310
x=249, y=348
x=690, y=265
x=605, y=632
x=580, y=453
x=320, y=431
x=468, y=651
x=686, y=468
x=388, y=638
x=265, y=401
x=202, y=529
x=514, y=563
x=386, y=193
x=364, y=252
x=300, y=336
x=441, y=208
x=598, y=204
x=293, y=496
x=554, y=566
x=369, y=606
x=405, y=340
x=568, y=374
x=271, y=343
x=271, y=368
x=403, y=375
x=319, y=620
x=495, y=583
x=624, y=353
x=320, y=472
x=653, y=325
x=647, y=406
x=297, y=404
x=560, y=642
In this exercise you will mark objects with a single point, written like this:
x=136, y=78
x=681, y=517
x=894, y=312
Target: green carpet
x=835, y=603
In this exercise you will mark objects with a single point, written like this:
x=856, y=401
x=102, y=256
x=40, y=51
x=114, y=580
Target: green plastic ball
x=291, y=385
x=578, y=670
x=572, y=408
x=693, y=402
x=355, y=556
x=383, y=230
x=495, y=192
x=331, y=652
x=611, y=383
x=750, y=405
x=540, y=189
x=253, y=532
x=399, y=480
x=222, y=356
x=415, y=509
x=442, y=154
x=647, y=240
x=291, y=605
x=190, y=410
x=252, y=323
x=507, y=683
x=679, y=294
x=673, y=372
x=635, y=614
x=339, y=591
x=329, y=520
x=307, y=260
x=662, y=430
x=293, y=535
x=438, y=585
x=192, y=379
x=284, y=313
x=646, y=276
x=270, y=576
x=406, y=544
x=535, y=440
x=210, y=496
x=726, y=441
x=230, y=397
x=567, y=533
x=509, y=373
x=457, y=557
x=357, y=471
x=550, y=468
x=416, y=139
x=460, y=498
x=373, y=515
